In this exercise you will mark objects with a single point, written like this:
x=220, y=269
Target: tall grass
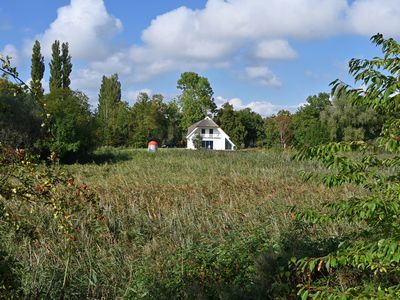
x=176, y=224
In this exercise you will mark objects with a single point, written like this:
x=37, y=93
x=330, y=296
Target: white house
x=212, y=136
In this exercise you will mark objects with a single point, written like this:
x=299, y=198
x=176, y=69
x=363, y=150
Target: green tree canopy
x=55, y=80
x=72, y=124
x=284, y=124
x=347, y=122
x=109, y=99
x=307, y=125
x=196, y=100
x=66, y=65
x=366, y=262
x=37, y=69
x=230, y=122
x=149, y=120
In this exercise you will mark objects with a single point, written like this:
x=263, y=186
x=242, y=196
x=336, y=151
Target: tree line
x=71, y=129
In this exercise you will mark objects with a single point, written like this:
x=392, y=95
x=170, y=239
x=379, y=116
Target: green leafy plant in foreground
x=38, y=202
x=366, y=264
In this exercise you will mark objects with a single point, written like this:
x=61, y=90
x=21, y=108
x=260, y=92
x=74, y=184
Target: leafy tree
x=230, y=122
x=20, y=121
x=198, y=141
x=308, y=130
x=271, y=135
x=109, y=99
x=196, y=100
x=366, y=262
x=66, y=65
x=348, y=122
x=173, y=117
x=55, y=81
x=72, y=124
x=37, y=70
x=284, y=124
x=149, y=120
x=253, y=126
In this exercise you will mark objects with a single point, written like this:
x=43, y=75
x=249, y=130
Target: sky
x=263, y=54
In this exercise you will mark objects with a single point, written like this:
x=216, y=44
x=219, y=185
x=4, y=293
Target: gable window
x=211, y=131
x=203, y=131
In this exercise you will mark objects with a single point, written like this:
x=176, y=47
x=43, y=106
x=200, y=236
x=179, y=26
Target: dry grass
x=175, y=224
x=187, y=195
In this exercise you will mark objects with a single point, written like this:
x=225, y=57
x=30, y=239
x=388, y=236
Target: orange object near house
x=152, y=146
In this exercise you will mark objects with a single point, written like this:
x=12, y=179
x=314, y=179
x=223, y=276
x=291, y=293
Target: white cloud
x=85, y=25
x=212, y=37
x=274, y=49
x=12, y=52
x=264, y=108
x=132, y=95
x=88, y=81
x=186, y=37
x=115, y=63
x=263, y=76
x=368, y=17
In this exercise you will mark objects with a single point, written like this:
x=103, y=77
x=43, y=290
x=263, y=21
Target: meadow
x=175, y=224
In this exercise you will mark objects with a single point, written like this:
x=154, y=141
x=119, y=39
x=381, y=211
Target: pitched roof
x=207, y=122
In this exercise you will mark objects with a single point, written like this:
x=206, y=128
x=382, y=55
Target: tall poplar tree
x=66, y=65
x=37, y=69
x=109, y=98
x=55, y=81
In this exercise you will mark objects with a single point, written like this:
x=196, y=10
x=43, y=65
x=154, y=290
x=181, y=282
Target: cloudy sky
x=262, y=54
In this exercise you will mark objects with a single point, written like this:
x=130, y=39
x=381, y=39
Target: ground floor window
x=207, y=144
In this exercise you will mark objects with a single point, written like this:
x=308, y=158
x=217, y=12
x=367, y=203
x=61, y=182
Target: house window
x=211, y=131
x=207, y=144
x=228, y=145
x=203, y=131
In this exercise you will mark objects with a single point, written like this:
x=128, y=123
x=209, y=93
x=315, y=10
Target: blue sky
x=263, y=54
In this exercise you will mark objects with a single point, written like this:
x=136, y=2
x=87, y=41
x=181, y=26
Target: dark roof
x=205, y=123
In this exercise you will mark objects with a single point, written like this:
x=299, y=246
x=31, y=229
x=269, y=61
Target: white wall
x=218, y=137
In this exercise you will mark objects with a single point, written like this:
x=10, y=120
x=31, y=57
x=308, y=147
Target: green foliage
x=66, y=66
x=174, y=132
x=55, y=80
x=347, y=122
x=44, y=210
x=108, y=108
x=71, y=124
x=230, y=122
x=149, y=118
x=196, y=100
x=37, y=70
x=252, y=123
x=308, y=128
x=197, y=141
x=271, y=132
x=366, y=264
x=284, y=124
x=20, y=117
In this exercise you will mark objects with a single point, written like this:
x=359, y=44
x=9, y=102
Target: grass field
x=176, y=224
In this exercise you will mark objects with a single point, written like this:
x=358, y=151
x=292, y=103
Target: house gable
x=213, y=137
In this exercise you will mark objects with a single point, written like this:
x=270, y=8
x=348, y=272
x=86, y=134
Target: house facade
x=210, y=134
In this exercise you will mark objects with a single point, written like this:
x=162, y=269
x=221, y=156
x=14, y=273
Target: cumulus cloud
x=263, y=76
x=12, y=52
x=367, y=17
x=274, y=49
x=212, y=37
x=85, y=25
x=224, y=28
x=132, y=95
x=264, y=108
